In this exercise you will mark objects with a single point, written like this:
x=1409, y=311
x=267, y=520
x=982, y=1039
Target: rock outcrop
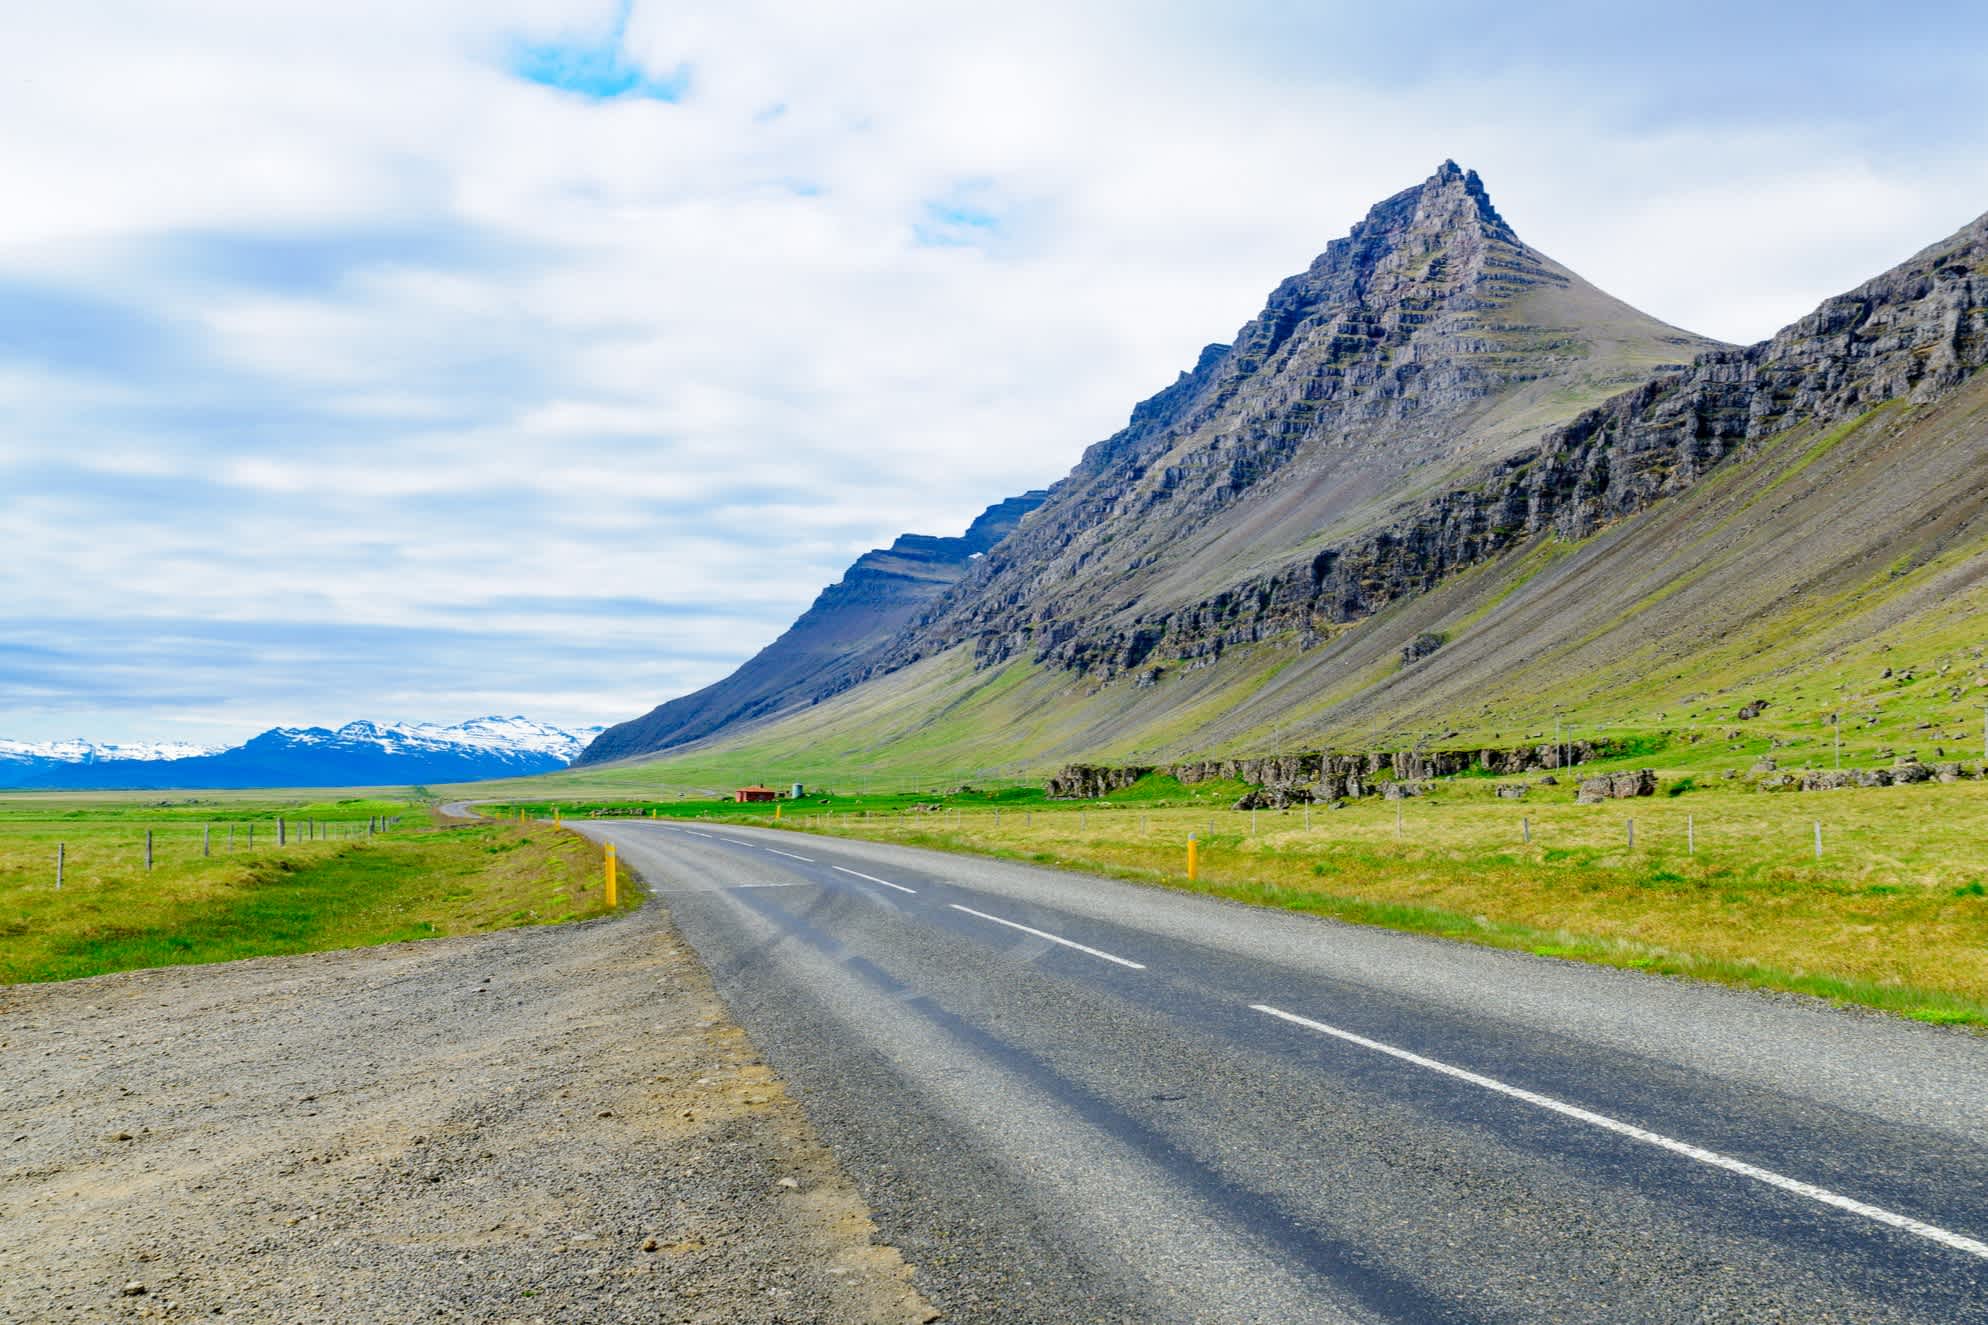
x=1321, y=775
x=1616, y=786
x=1090, y=781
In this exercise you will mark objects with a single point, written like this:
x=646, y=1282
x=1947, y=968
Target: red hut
x=754, y=795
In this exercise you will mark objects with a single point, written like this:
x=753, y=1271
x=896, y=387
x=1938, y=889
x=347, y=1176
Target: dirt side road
x=555, y=1124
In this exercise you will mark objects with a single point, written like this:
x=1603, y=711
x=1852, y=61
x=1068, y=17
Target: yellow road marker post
x=1193, y=861
x=610, y=877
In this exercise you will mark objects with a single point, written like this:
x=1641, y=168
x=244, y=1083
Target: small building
x=754, y=795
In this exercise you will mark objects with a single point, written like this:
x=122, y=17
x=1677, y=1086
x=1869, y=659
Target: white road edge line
x=1045, y=934
x=789, y=855
x=874, y=879
x=1932, y=1232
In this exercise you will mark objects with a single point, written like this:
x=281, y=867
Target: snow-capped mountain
x=514, y=735
x=357, y=754
x=93, y=752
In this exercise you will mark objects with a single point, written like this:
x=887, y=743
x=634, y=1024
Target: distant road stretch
x=1070, y=1099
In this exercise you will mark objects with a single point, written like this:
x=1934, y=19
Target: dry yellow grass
x=1894, y=914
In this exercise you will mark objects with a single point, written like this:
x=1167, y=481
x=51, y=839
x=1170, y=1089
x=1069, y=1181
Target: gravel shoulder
x=550, y=1124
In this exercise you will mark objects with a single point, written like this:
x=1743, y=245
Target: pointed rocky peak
x=1451, y=202
x=1431, y=276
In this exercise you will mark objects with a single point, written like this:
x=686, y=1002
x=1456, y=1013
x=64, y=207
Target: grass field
x=1719, y=884
x=332, y=884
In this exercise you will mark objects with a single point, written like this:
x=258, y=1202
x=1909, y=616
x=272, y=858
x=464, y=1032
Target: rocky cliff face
x=831, y=646
x=1427, y=345
x=1056, y=594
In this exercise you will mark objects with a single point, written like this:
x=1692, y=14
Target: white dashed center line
x=1946, y=1238
x=874, y=879
x=789, y=855
x=1053, y=938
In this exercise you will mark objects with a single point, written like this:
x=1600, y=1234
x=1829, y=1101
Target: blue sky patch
x=597, y=69
x=966, y=216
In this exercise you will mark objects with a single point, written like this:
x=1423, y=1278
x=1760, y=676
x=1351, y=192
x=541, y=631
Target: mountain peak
x=1451, y=202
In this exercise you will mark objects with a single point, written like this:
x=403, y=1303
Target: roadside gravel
x=553, y=1124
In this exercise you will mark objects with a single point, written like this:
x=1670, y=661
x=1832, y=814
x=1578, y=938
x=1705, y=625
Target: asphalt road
x=1072, y=1099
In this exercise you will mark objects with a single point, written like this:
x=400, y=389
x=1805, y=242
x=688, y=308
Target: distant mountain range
x=357, y=754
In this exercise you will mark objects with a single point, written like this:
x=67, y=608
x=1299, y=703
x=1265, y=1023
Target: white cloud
x=370, y=335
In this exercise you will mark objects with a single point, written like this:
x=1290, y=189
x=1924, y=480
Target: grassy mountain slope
x=1786, y=523
x=1757, y=585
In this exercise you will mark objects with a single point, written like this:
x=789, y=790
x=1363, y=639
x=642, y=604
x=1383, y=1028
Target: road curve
x=1073, y=1099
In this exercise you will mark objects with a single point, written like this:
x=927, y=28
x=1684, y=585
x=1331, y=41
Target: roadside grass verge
x=1720, y=885
x=348, y=889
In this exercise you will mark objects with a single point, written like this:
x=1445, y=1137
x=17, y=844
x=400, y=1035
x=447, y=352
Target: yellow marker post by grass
x=610, y=877
x=1193, y=864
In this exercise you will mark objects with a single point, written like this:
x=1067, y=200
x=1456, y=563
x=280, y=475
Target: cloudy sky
x=429, y=360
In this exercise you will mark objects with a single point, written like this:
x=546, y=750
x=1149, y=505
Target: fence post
x=58, y=867
x=206, y=837
x=1690, y=836
x=1193, y=861
x=282, y=834
x=1818, y=839
x=1629, y=828
x=148, y=849
x=251, y=837
x=1525, y=830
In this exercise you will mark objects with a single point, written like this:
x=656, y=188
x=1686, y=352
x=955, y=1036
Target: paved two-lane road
x=1071, y=1099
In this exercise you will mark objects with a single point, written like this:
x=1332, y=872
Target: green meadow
x=221, y=887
